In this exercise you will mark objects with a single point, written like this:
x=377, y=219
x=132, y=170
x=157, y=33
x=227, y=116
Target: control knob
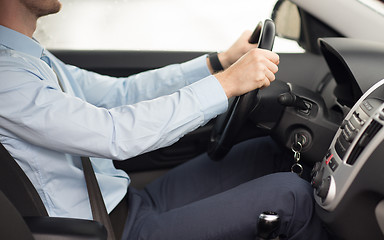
x=317, y=178
x=323, y=189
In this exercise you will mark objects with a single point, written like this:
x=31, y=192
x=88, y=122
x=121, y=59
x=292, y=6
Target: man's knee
x=295, y=205
x=293, y=192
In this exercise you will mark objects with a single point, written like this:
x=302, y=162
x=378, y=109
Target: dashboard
x=348, y=180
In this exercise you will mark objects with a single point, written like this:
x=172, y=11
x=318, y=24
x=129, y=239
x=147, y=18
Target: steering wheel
x=228, y=124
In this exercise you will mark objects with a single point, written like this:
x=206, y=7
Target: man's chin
x=52, y=10
x=43, y=8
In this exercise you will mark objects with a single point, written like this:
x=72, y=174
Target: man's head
x=41, y=8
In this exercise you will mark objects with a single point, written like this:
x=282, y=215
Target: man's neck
x=17, y=18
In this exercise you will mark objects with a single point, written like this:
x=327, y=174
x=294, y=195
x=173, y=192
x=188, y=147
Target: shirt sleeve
x=34, y=110
x=110, y=92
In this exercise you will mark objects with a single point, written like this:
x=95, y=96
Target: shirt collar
x=19, y=42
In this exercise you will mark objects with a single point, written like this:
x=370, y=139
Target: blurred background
x=171, y=25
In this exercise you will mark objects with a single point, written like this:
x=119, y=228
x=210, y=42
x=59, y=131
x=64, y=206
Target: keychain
x=296, y=147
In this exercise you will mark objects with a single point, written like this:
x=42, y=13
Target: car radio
x=349, y=181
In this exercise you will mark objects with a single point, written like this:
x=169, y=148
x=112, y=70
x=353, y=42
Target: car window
x=172, y=25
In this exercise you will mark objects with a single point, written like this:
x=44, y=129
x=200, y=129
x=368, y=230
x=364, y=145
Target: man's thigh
x=233, y=214
x=202, y=177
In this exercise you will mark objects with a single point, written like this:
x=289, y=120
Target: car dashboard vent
x=364, y=140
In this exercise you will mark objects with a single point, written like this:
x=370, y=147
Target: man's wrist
x=215, y=63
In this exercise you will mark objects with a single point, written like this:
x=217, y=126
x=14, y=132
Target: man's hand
x=237, y=50
x=256, y=69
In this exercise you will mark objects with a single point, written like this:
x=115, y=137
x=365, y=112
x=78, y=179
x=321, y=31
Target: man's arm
x=43, y=115
x=108, y=92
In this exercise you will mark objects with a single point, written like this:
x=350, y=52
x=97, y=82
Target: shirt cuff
x=195, y=69
x=211, y=96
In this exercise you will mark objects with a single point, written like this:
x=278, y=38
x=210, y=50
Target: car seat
x=23, y=215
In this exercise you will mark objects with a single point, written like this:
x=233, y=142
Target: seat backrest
x=12, y=224
x=17, y=187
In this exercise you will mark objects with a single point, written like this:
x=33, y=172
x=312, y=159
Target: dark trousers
x=203, y=199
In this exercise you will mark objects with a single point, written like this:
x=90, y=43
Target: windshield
x=172, y=25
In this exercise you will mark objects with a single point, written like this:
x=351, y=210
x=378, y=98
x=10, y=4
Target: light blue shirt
x=46, y=129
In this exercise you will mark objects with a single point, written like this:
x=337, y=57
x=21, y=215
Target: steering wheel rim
x=228, y=124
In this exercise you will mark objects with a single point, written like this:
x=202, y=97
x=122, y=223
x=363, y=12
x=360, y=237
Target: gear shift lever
x=268, y=226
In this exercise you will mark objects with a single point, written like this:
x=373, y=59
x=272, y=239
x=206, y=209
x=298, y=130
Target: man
x=52, y=113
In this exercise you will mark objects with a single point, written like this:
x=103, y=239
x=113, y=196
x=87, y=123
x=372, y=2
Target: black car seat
x=12, y=224
x=17, y=187
x=23, y=215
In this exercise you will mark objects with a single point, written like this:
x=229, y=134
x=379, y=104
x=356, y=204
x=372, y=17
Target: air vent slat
x=363, y=141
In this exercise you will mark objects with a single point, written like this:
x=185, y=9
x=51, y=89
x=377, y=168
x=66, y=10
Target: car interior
x=328, y=99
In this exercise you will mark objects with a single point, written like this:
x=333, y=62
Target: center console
x=349, y=181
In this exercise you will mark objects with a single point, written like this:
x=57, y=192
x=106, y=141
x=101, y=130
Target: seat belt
x=99, y=211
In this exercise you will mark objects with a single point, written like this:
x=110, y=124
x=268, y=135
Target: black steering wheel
x=228, y=124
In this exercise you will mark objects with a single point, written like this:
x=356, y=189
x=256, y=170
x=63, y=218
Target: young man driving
x=52, y=113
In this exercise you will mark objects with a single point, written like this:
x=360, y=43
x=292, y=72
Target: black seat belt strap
x=99, y=211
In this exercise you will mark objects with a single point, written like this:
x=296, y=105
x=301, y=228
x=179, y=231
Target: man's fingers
x=270, y=75
x=266, y=82
x=271, y=66
x=273, y=57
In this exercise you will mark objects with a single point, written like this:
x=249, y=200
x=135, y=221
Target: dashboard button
x=333, y=164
